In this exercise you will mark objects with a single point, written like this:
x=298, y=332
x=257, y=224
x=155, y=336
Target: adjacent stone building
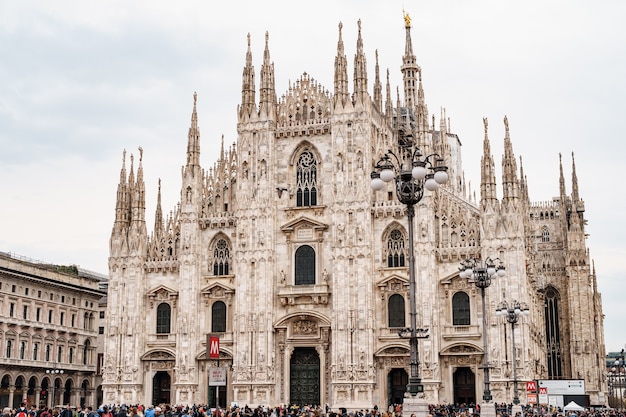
x=49, y=316
x=283, y=251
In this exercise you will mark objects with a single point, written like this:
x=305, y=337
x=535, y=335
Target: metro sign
x=531, y=386
x=543, y=390
x=214, y=347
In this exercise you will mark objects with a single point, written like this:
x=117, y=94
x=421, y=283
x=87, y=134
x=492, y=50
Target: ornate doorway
x=397, y=380
x=161, y=388
x=304, y=376
x=464, y=386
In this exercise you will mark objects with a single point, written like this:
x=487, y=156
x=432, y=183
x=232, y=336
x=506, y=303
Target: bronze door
x=304, y=377
x=464, y=386
x=161, y=388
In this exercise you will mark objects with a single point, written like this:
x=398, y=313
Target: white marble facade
x=282, y=249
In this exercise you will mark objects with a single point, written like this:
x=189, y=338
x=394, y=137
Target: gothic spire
x=341, y=72
x=267, y=85
x=193, y=137
x=248, y=105
x=378, y=87
x=561, y=179
x=388, y=102
x=510, y=184
x=360, y=70
x=575, y=195
x=487, y=170
x=523, y=182
x=121, y=205
x=409, y=68
x=158, y=216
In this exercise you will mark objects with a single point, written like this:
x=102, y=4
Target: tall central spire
x=410, y=69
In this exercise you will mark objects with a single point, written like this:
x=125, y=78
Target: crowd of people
x=395, y=410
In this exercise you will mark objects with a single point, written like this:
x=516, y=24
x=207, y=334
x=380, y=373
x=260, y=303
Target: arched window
x=218, y=317
x=48, y=348
x=164, y=315
x=306, y=180
x=22, y=349
x=9, y=348
x=221, y=258
x=70, y=355
x=545, y=235
x=305, y=265
x=86, y=352
x=396, y=253
x=395, y=311
x=553, y=334
x=460, y=309
x=35, y=351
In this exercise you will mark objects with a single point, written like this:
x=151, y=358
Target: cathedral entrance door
x=161, y=388
x=464, y=386
x=304, y=376
x=397, y=380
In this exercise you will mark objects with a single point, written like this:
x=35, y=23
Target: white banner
x=217, y=377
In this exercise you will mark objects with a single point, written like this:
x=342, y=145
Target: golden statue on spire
x=407, y=19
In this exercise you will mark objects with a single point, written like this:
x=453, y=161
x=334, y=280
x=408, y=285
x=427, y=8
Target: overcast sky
x=80, y=81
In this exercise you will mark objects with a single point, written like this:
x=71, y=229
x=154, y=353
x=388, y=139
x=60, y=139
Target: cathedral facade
x=284, y=252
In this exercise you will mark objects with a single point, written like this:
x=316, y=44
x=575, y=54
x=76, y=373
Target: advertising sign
x=563, y=386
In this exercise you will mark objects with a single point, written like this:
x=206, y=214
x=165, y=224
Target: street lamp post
x=482, y=274
x=412, y=172
x=512, y=315
x=619, y=365
x=53, y=372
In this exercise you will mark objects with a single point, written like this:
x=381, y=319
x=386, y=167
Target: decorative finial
x=506, y=123
x=486, y=124
x=248, y=39
x=195, y=97
x=140, y=154
x=407, y=19
x=359, y=25
x=267, y=37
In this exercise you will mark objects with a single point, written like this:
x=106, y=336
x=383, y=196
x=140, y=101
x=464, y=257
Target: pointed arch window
x=553, y=338
x=396, y=249
x=218, y=317
x=305, y=265
x=306, y=180
x=460, y=309
x=221, y=258
x=545, y=235
x=164, y=317
x=396, y=311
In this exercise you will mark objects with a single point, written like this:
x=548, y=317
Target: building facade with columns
x=282, y=250
x=49, y=333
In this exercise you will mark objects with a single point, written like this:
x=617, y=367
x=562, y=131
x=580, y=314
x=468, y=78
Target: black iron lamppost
x=412, y=172
x=482, y=274
x=512, y=315
x=619, y=365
